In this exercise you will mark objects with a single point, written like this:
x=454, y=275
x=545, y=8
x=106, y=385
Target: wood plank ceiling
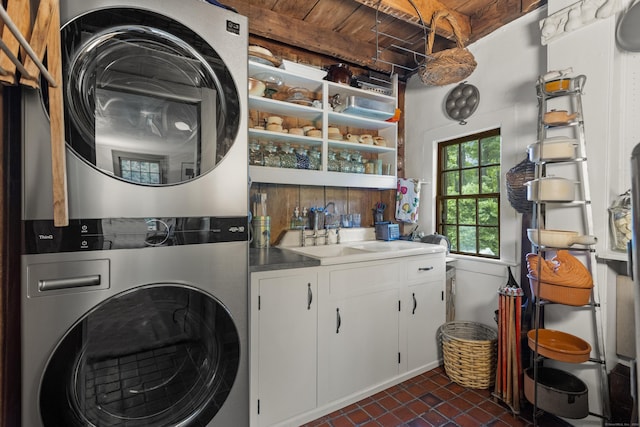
x=378, y=35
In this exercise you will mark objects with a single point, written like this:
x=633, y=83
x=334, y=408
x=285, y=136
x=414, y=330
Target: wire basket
x=469, y=350
x=516, y=190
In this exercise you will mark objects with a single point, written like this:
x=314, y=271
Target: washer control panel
x=41, y=236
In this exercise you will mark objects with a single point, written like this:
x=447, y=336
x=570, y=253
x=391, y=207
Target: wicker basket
x=449, y=65
x=469, y=352
x=516, y=190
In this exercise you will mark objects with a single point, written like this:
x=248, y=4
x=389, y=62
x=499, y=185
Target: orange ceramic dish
x=558, y=117
x=559, y=346
x=563, y=294
x=557, y=85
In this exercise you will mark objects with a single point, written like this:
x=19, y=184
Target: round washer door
x=147, y=100
x=161, y=355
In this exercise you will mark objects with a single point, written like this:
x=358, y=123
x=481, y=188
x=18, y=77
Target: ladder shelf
x=585, y=254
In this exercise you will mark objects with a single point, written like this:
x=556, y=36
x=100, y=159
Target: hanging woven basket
x=517, y=176
x=449, y=65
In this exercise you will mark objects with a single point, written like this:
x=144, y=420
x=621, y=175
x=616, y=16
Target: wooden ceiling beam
x=403, y=10
x=498, y=13
x=274, y=26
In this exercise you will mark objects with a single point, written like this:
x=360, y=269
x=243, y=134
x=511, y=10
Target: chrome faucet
x=317, y=218
x=330, y=204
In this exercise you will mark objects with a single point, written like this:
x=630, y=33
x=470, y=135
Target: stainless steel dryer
x=136, y=313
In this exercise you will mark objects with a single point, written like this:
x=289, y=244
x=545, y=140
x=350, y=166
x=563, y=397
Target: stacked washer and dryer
x=136, y=313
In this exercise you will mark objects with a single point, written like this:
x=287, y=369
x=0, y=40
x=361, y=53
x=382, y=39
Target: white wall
x=509, y=63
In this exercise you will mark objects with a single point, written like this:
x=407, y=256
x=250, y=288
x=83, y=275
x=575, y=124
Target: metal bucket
x=261, y=228
x=559, y=392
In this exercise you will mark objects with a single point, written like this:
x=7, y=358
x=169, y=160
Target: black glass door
x=162, y=355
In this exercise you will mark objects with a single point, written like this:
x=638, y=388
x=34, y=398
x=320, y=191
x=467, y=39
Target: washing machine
x=136, y=313
x=155, y=97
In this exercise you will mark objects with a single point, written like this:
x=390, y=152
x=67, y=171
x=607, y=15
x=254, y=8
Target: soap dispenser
x=295, y=219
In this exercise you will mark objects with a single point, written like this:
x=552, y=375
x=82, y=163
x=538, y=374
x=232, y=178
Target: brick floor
x=432, y=399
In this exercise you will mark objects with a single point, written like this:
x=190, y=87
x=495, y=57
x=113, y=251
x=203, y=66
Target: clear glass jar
x=345, y=162
x=620, y=222
x=302, y=158
x=256, y=155
x=271, y=156
x=370, y=167
x=288, y=158
x=333, y=164
x=315, y=159
x=357, y=164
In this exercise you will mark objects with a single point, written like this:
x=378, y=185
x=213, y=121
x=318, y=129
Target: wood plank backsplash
x=283, y=199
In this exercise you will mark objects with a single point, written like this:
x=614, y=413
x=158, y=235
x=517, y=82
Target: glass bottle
x=315, y=159
x=288, y=158
x=296, y=220
x=256, y=155
x=357, y=165
x=345, y=162
x=271, y=156
x=620, y=222
x=302, y=158
x=333, y=164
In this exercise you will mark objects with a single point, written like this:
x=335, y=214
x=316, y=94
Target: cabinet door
x=287, y=327
x=363, y=350
x=426, y=312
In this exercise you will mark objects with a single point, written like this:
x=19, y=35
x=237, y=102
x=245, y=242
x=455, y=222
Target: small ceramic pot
x=551, y=189
x=256, y=87
x=274, y=120
x=558, y=117
x=339, y=73
x=366, y=139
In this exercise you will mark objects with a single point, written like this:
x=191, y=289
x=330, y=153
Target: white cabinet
x=324, y=337
x=297, y=114
x=359, y=327
x=284, y=325
x=425, y=308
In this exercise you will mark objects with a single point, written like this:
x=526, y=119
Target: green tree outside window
x=468, y=195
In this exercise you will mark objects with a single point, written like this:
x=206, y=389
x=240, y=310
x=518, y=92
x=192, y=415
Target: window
x=139, y=168
x=468, y=196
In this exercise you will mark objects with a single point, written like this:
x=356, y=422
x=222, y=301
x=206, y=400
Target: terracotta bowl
x=559, y=345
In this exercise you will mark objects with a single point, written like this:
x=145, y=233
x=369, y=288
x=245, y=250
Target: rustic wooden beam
x=403, y=10
x=271, y=25
x=500, y=12
x=531, y=5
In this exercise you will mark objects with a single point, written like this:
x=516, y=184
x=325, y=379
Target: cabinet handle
x=415, y=303
x=338, y=320
x=309, y=296
x=425, y=268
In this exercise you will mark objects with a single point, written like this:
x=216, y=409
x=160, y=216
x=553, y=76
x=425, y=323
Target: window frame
x=441, y=199
x=161, y=161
